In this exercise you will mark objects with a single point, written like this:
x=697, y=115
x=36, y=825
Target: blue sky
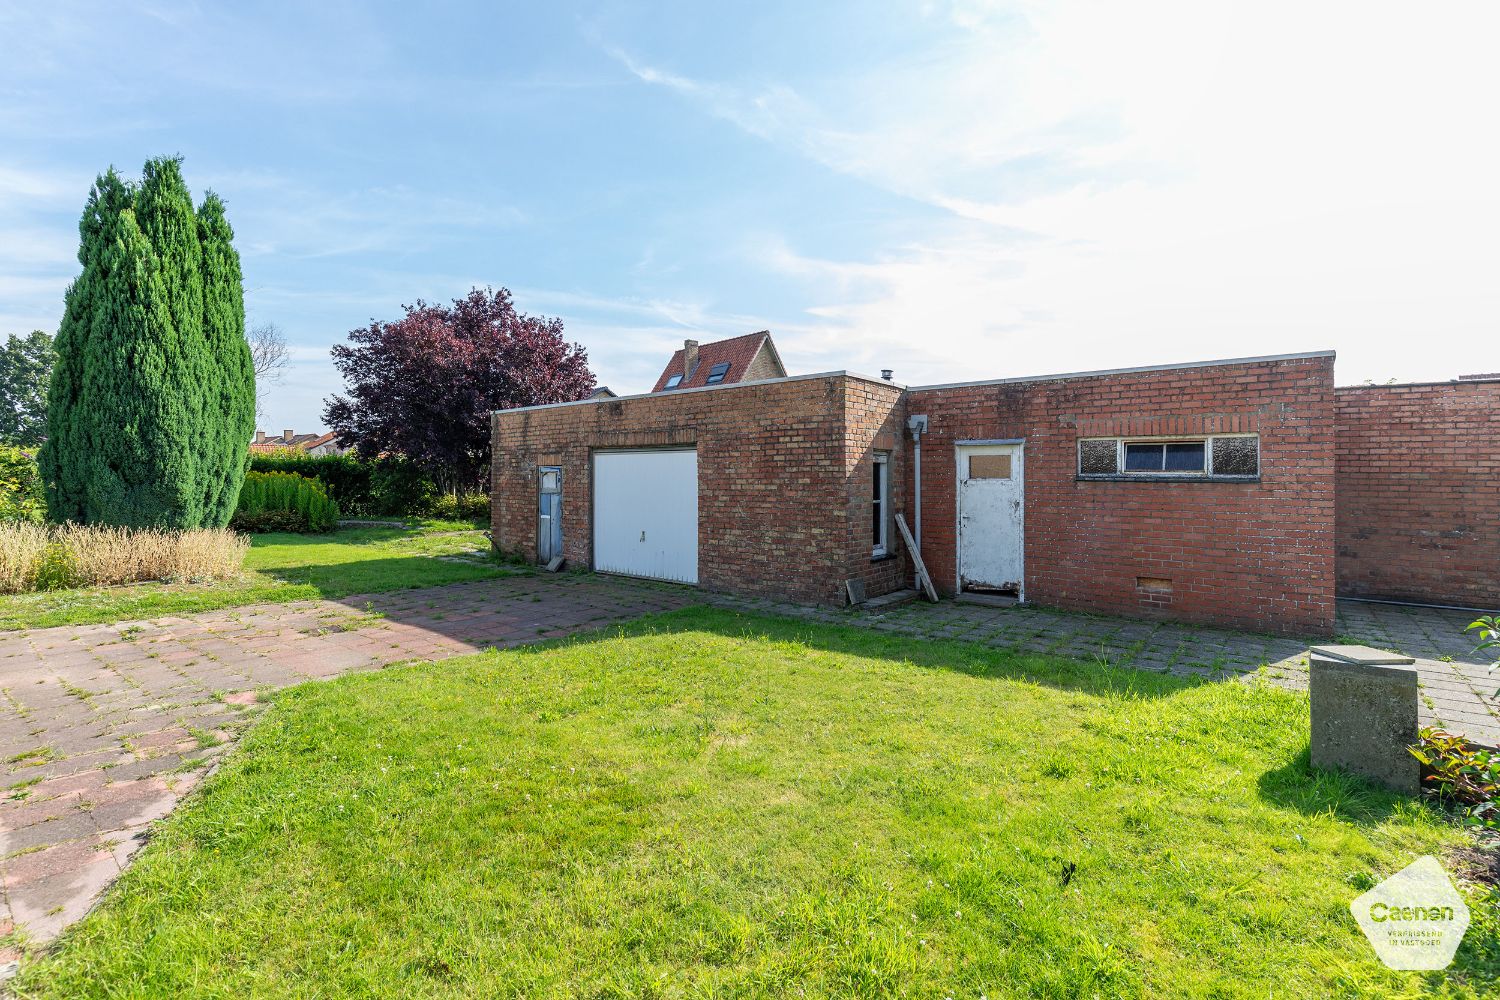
x=952, y=190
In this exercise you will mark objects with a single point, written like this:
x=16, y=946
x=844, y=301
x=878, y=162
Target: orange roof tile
x=738, y=351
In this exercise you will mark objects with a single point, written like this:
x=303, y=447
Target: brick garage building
x=783, y=470
x=792, y=486
x=1247, y=492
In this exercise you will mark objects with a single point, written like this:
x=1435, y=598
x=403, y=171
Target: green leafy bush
x=468, y=507
x=284, y=501
x=382, y=487
x=21, y=496
x=55, y=570
x=1461, y=775
x=398, y=487
x=1489, y=639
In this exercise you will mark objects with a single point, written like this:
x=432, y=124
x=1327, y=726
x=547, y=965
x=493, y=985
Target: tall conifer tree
x=141, y=407
x=63, y=461
x=233, y=400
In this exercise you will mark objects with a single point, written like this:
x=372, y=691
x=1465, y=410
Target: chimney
x=689, y=357
x=287, y=436
x=887, y=374
x=260, y=437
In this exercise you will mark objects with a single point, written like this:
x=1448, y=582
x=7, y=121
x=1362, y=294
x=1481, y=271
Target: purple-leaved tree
x=424, y=385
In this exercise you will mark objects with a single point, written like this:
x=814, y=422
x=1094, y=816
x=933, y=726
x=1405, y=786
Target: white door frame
x=959, y=452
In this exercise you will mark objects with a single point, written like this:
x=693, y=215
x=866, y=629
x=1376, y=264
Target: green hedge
x=284, y=501
x=21, y=496
x=383, y=487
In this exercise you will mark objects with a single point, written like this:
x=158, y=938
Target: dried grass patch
x=41, y=557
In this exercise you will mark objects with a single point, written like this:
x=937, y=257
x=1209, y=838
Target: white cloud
x=1132, y=184
x=25, y=187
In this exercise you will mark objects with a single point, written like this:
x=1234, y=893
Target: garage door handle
x=643, y=536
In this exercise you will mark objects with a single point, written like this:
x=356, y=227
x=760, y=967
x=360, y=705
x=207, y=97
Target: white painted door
x=646, y=514
x=991, y=517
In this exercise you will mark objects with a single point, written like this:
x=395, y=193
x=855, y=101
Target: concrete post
x=1364, y=714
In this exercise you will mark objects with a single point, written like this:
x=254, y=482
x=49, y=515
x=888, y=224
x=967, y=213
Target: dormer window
x=716, y=373
x=674, y=381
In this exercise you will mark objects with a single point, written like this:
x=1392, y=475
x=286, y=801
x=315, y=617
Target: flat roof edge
x=1418, y=385
x=705, y=388
x=942, y=385
x=1128, y=371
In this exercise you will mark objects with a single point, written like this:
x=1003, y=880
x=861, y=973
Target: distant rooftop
x=722, y=362
x=291, y=439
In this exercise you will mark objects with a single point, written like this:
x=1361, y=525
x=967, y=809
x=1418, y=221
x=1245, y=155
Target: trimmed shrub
x=284, y=501
x=37, y=557
x=382, y=487
x=21, y=494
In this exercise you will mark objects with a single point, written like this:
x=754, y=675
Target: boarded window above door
x=989, y=466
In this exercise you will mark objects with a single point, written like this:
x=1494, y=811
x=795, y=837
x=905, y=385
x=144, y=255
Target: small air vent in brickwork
x=1154, y=591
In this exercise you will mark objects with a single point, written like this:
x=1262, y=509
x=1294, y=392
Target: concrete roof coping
x=1129, y=371
x=1367, y=656
x=944, y=385
x=1417, y=385
x=707, y=388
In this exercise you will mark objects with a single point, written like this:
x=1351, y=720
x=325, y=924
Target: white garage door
x=646, y=514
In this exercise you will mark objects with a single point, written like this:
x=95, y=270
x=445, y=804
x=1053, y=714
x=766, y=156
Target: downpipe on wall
x=917, y=424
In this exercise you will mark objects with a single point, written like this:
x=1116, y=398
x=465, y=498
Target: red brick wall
x=874, y=418
x=776, y=477
x=1418, y=515
x=1257, y=554
x=784, y=486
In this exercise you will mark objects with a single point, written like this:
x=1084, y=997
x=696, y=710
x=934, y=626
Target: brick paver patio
x=104, y=727
x=1456, y=683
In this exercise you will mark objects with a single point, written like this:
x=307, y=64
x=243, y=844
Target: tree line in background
x=144, y=404
x=25, y=371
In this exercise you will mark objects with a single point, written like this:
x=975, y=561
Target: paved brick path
x=104, y=727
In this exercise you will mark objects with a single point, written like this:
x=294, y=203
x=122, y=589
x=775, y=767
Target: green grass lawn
x=713, y=805
x=280, y=567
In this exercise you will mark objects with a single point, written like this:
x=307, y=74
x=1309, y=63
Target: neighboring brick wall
x=1256, y=555
x=1419, y=492
x=774, y=477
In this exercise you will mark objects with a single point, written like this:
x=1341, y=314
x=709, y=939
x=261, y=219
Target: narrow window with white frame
x=880, y=505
